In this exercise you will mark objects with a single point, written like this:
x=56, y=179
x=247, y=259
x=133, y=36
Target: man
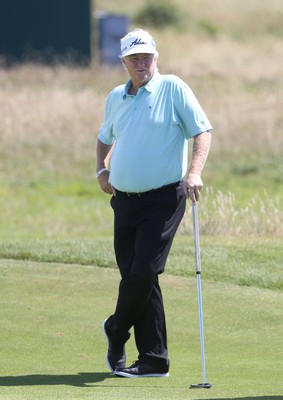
x=146, y=125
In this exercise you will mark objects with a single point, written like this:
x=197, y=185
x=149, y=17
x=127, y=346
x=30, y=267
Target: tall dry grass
x=49, y=118
x=220, y=215
x=240, y=85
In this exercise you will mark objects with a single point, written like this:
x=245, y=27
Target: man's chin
x=143, y=77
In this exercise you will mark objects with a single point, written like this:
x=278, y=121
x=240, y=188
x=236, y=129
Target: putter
x=204, y=385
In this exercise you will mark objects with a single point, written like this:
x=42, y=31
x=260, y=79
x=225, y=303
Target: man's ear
x=123, y=63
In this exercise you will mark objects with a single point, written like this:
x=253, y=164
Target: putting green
x=52, y=345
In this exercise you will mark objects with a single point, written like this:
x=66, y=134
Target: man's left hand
x=193, y=186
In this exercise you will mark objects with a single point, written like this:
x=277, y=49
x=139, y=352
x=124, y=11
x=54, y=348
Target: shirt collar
x=150, y=86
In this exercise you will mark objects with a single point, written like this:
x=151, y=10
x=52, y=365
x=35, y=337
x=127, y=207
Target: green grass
x=228, y=260
x=52, y=346
x=75, y=208
x=246, y=176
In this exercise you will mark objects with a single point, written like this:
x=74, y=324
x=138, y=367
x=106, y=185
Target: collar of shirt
x=149, y=86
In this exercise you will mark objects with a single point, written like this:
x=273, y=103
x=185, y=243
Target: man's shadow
x=250, y=398
x=82, y=379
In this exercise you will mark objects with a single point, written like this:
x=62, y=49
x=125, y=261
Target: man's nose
x=141, y=62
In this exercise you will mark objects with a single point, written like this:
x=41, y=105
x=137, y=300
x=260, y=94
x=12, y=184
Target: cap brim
x=140, y=50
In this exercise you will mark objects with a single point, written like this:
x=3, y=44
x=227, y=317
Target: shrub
x=159, y=14
x=208, y=27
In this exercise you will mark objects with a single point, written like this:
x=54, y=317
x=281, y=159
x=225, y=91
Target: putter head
x=201, y=386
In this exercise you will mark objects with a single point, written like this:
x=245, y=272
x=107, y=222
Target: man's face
x=141, y=67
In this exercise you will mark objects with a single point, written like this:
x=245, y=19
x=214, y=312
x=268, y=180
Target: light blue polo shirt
x=150, y=132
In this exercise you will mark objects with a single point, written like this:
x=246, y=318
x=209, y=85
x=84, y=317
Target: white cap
x=138, y=41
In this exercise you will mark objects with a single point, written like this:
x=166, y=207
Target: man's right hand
x=104, y=184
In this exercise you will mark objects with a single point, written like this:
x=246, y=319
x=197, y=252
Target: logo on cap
x=137, y=42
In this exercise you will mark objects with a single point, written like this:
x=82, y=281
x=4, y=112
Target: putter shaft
x=204, y=385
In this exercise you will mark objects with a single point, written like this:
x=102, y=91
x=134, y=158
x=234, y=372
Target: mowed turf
x=52, y=345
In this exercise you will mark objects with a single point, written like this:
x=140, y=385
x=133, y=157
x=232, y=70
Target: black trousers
x=144, y=228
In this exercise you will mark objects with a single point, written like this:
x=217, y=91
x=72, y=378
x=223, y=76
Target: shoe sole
x=127, y=375
x=107, y=361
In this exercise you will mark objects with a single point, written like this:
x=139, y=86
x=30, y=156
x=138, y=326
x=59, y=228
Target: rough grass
x=258, y=263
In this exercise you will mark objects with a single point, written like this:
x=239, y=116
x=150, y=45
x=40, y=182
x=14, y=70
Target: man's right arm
x=103, y=152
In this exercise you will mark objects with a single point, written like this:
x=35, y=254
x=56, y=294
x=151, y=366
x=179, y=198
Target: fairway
x=52, y=345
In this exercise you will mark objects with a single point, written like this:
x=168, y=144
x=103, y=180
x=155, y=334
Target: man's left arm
x=194, y=184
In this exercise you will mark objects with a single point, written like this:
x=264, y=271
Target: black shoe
x=116, y=356
x=141, y=370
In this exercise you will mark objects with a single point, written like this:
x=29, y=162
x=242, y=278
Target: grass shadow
x=250, y=398
x=82, y=379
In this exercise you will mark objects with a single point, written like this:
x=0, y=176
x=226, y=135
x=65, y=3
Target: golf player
x=146, y=127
